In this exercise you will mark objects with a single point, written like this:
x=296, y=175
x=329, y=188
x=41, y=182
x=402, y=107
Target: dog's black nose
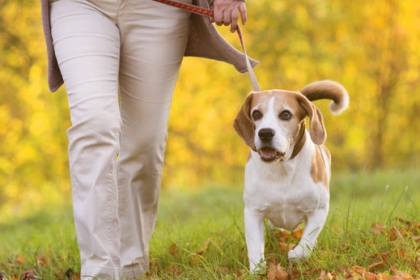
x=266, y=134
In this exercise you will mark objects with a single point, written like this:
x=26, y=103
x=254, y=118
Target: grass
x=199, y=234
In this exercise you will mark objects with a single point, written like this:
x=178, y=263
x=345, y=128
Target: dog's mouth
x=268, y=154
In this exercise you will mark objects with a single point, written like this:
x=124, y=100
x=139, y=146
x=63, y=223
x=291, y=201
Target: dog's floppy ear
x=243, y=123
x=316, y=121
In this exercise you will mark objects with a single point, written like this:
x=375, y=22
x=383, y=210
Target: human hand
x=227, y=12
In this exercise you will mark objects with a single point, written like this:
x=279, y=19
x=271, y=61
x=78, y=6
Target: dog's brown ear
x=243, y=123
x=316, y=121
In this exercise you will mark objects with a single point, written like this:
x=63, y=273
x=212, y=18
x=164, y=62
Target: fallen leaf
x=20, y=260
x=275, y=272
x=174, y=270
x=383, y=276
x=400, y=274
x=361, y=271
x=286, y=247
x=173, y=250
x=297, y=234
x=8, y=265
x=283, y=235
x=378, y=228
x=416, y=238
x=376, y=265
x=308, y=272
x=270, y=257
x=324, y=275
x=345, y=270
x=42, y=260
x=28, y=275
x=395, y=234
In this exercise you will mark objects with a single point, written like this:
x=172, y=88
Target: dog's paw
x=298, y=253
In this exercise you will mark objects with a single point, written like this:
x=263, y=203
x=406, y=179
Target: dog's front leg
x=254, y=235
x=313, y=226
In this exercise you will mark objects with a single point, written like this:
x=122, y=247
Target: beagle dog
x=287, y=174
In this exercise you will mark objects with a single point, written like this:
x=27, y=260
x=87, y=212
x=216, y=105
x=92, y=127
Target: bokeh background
x=371, y=47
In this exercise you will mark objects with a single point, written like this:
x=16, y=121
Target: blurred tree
x=372, y=48
x=33, y=146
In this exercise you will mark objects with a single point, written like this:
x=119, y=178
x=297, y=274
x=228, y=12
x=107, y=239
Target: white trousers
x=120, y=60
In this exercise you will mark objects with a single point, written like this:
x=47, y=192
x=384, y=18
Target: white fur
x=283, y=191
x=285, y=194
x=285, y=184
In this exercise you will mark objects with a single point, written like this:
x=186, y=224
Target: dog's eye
x=256, y=115
x=285, y=115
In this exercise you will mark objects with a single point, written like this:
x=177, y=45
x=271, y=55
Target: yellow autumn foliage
x=372, y=48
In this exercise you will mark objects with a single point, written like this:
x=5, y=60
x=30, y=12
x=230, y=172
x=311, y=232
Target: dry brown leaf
x=383, y=276
x=173, y=250
x=358, y=269
x=378, y=228
x=416, y=238
x=310, y=271
x=174, y=270
x=394, y=234
x=275, y=272
x=42, y=260
x=28, y=275
x=286, y=247
x=11, y=265
x=297, y=234
x=408, y=223
x=376, y=265
x=361, y=271
x=324, y=275
x=400, y=274
x=284, y=235
x=402, y=253
x=20, y=260
x=270, y=257
x=369, y=276
x=345, y=270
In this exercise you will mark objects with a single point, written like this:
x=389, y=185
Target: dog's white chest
x=285, y=197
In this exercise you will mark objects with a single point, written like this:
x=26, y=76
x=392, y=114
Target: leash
x=209, y=13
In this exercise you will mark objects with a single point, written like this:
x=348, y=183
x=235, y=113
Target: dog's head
x=272, y=122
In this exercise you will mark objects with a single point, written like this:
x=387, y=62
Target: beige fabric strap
x=209, y=13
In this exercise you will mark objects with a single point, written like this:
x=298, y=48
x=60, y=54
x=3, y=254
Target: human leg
x=153, y=39
x=87, y=46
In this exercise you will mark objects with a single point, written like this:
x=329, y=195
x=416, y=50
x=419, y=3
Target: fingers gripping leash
x=209, y=13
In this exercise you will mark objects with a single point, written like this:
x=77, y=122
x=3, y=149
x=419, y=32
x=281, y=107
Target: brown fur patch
x=318, y=168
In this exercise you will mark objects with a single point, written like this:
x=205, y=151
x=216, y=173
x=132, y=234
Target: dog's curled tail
x=328, y=89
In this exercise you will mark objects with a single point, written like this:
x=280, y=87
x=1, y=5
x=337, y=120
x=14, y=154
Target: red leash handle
x=188, y=7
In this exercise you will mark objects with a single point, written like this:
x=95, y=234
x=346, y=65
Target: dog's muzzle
x=267, y=153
